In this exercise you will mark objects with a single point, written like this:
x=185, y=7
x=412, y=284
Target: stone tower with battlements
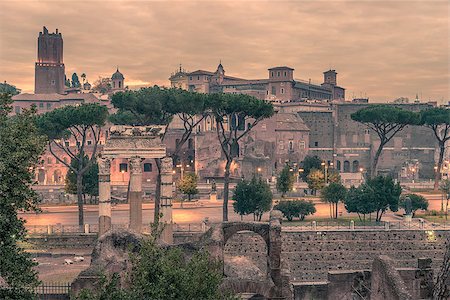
x=49, y=68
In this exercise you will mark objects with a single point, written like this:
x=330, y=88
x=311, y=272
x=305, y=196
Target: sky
x=381, y=49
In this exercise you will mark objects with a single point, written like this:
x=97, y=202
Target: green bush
x=296, y=209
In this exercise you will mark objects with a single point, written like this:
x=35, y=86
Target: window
x=114, y=84
x=278, y=74
x=190, y=77
x=190, y=144
x=302, y=145
x=123, y=167
x=346, y=166
x=89, y=142
x=148, y=167
x=17, y=109
x=281, y=145
x=41, y=105
x=291, y=146
x=267, y=92
x=49, y=105
x=66, y=143
x=120, y=84
x=78, y=144
x=282, y=90
x=53, y=82
x=316, y=144
x=49, y=160
x=274, y=90
x=285, y=73
x=271, y=74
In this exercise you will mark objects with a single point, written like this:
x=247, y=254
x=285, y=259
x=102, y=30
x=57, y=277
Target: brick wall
x=310, y=255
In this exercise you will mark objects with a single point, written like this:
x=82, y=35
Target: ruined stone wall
x=310, y=255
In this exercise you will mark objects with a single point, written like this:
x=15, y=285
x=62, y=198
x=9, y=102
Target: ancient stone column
x=166, y=200
x=104, y=195
x=135, y=193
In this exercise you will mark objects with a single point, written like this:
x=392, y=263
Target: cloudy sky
x=382, y=49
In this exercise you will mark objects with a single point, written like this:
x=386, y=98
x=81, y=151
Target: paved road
x=192, y=213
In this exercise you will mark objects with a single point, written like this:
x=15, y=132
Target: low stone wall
x=89, y=240
x=309, y=255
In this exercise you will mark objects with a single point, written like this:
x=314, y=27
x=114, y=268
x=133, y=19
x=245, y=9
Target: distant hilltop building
x=49, y=68
x=279, y=87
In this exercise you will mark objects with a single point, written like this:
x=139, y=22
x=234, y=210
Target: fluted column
x=135, y=193
x=104, y=195
x=166, y=199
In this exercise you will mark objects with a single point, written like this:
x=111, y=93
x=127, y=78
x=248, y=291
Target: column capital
x=135, y=165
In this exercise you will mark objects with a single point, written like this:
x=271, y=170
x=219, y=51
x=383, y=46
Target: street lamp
x=325, y=171
x=259, y=169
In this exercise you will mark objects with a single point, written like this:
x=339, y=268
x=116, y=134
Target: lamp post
x=361, y=170
x=325, y=171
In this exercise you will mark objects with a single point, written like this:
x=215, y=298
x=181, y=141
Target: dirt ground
x=53, y=269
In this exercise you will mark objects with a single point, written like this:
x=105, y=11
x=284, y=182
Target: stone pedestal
x=407, y=218
x=166, y=200
x=104, y=196
x=213, y=196
x=135, y=194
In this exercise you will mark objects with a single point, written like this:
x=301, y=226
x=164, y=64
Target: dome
x=117, y=75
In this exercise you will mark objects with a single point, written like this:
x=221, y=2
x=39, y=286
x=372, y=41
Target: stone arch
x=338, y=165
x=41, y=176
x=57, y=176
x=230, y=228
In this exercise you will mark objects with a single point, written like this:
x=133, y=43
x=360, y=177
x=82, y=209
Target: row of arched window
x=347, y=166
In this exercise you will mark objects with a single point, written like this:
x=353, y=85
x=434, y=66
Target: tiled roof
x=86, y=97
x=281, y=67
x=201, y=72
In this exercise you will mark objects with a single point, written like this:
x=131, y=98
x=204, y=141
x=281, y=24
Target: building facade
x=280, y=86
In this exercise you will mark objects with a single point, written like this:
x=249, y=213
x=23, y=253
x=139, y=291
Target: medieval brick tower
x=49, y=68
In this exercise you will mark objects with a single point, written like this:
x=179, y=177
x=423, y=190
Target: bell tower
x=49, y=68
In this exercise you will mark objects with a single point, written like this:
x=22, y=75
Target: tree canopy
x=359, y=200
x=386, y=121
x=102, y=85
x=333, y=194
x=165, y=274
x=309, y=163
x=417, y=202
x=295, y=209
x=252, y=197
x=188, y=184
x=438, y=120
x=75, y=81
x=68, y=130
x=226, y=108
x=382, y=193
x=21, y=147
x=6, y=88
x=316, y=180
x=285, y=180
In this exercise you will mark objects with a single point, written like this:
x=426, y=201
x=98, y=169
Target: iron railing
x=53, y=291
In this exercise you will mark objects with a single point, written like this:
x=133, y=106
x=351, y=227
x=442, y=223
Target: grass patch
x=435, y=219
x=344, y=221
